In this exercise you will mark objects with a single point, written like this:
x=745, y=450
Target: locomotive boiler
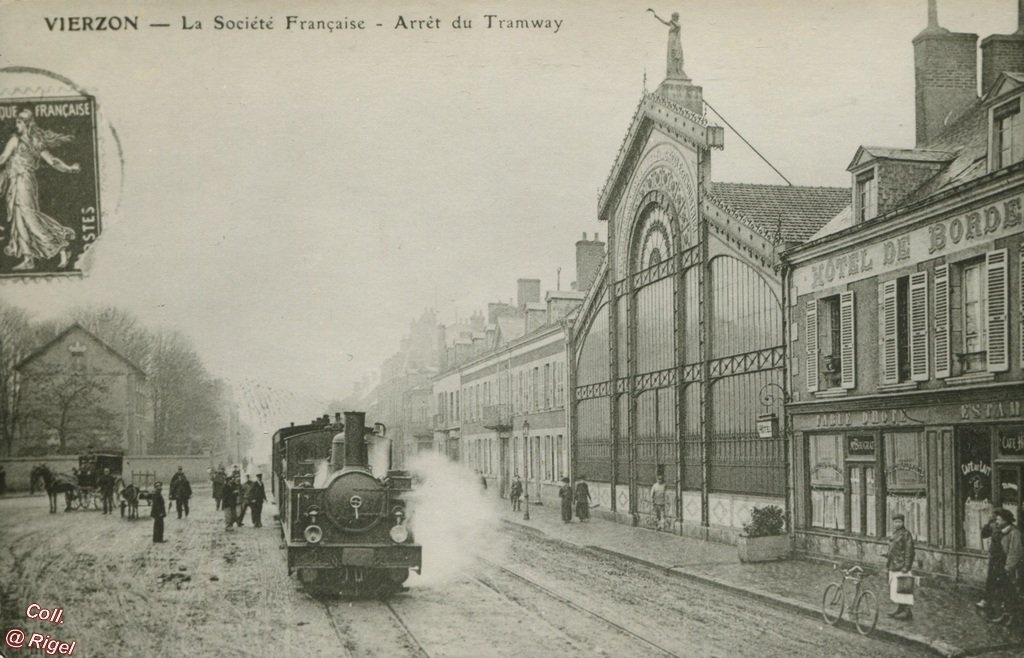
x=342, y=508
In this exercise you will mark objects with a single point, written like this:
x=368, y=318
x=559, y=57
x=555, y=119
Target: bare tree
x=69, y=406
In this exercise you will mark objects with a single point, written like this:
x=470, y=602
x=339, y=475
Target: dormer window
x=1007, y=134
x=866, y=201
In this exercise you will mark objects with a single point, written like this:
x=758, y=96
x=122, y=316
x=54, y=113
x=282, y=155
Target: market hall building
x=906, y=334
x=678, y=346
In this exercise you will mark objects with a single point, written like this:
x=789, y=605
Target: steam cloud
x=452, y=518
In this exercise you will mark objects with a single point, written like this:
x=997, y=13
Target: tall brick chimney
x=1002, y=52
x=589, y=254
x=945, y=76
x=528, y=291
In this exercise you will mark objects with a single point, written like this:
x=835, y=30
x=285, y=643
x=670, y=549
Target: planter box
x=763, y=549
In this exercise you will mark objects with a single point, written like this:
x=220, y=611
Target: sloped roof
x=865, y=153
x=968, y=138
x=511, y=327
x=76, y=326
x=790, y=212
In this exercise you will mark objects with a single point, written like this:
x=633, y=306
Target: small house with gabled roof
x=76, y=393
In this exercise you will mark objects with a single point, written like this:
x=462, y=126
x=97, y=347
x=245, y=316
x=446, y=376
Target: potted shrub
x=764, y=538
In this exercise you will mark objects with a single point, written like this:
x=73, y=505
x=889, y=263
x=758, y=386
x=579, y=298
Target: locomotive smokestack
x=355, y=444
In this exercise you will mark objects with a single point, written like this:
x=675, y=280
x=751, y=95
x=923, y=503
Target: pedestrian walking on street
x=565, y=493
x=483, y=482
x=516, y=493
x=181, y=491
x=900, y=562
x=1002, y=582
x=243, y=499
x=658, y=501
x=3, y=480
x=582, y=498
x=158, y=512
x=106, y=483
x=257, y=496
x=229, y=498
x=219, y=477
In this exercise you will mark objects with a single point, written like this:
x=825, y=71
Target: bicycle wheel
x=832, y=603
x=865, y=612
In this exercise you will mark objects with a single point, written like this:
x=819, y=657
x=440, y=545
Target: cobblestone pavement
x=944, y=618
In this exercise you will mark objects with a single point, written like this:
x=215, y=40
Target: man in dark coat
x=516, y=493
x=900, y=560
x=218, y=478
x=106, y=484
x=229, y=498
x=181, y=491
x=158, y=512
x=257, y=496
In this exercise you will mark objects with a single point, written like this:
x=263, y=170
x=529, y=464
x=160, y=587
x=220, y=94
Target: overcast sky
x=291, y=199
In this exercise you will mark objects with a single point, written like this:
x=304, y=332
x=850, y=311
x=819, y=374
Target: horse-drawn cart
x=91, y=467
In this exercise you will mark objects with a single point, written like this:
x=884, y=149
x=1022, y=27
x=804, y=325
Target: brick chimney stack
x=945, y=76
x=589, y=254
x=1002, y=52
x=528, y=292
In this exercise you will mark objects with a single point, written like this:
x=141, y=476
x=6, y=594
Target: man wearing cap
x=106, y=484
x=158, y=512
x=900, y=560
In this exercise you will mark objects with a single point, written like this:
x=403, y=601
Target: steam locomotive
x=345, y=527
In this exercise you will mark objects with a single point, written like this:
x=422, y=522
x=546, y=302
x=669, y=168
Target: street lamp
x=526, y=452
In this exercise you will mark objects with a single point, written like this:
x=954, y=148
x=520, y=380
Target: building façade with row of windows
x=500, y=400
x=904, y=334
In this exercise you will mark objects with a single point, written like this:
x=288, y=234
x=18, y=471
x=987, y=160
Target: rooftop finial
x=933, y=13
x=675, y=46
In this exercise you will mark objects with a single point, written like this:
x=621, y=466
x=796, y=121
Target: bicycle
x=863, y=612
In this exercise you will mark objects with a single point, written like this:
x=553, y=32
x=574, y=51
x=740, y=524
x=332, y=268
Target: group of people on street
x=234, y=497
x=1004, y=582
x=573, y=497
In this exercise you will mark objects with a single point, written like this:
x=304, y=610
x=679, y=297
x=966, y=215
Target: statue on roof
x=675, y=45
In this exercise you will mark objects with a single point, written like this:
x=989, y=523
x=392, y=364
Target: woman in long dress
x=33, y=233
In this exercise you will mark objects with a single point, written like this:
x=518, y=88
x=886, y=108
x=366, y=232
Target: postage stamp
x=49, y=184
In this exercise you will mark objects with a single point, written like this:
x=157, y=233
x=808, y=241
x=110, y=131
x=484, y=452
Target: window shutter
x=940, y=309
x=887, y=331
x=996, y=298
x=847, y=339
x=919, y=326
x=812, y=346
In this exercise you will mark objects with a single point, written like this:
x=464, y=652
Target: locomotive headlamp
x=399, y=533
x=313, y=534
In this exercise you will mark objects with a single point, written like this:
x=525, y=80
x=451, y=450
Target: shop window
x=906, y=480
x=825, y=453
x=974, y=468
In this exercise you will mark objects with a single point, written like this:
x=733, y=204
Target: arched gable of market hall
x=662, y=189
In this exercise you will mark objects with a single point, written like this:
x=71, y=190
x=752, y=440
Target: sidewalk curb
x=936, y=646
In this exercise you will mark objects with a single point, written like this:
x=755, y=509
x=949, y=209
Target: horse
x=130, y=501
x=54, y=484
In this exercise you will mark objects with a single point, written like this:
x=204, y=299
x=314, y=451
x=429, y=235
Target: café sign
x=939, y=238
